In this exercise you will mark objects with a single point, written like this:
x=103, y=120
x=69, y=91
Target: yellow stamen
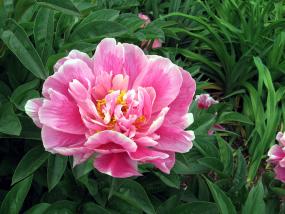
x=120, y=98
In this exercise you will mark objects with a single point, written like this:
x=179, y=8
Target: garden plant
x=142, y=106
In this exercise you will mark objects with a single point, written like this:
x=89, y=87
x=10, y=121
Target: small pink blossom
x=125, y=107
x=145, y=18
x=277, y=157
x=204, y=101
x=216, y=127
x=146, y=43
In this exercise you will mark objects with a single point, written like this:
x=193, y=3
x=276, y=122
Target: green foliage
x=233, y=48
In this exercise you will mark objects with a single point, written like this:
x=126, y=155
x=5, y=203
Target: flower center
x=117, y=105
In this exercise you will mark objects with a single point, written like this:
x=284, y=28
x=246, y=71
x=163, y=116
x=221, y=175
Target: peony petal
x=120, y=82
x=280, y=137
x=61, y=114
x=165, y=165
x=74, y=54
x=280, y=173
x=109, y=141
x=70, y=70
x=143, y=154
x=109, y=57
x=117, y=165
x=32, y=108
x=81, y=157
x=180, y=106
x=275, y=154
x=168, y=86
x=146, y=141
x=205, y=101
x=62, y=143
x=175, y=140
x=135, y=62
x=157, y=122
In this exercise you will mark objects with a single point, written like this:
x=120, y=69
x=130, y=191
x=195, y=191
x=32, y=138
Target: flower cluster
x=121, y=106
x=277, y=157
x=146, y=44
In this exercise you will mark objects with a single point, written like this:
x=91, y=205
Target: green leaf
x=201, y=207
x=23, y=93
x=101, y=15
x=224, y=203
x=204, y=192
x=133, y=193
x=38, y=208
x=172, y=180
x=65, y=6
x=239, y=179
x=212, y=163
x=55, y=169
x=277, y=190
x=43, y=32
x=91, y=207
x=254, y=202
x=14, y=199
x=9, y=122
x=97, y=29
x=60, y=207
x=83, y=169
x=18, y=42
x=226, y=156
x=167, y=206
x=234, y=117
x=90, y=184
x=31, y=161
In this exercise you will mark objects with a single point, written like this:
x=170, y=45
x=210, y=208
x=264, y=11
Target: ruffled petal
x=109, y=141
x=109, y=57
x=143, y=154
x=81, y=158
x=180, y=106
x=32, y=108
x=135, y=62
x=157, y=122
x=61, y=114
x=117, y=165
x=165, y=165
x=62, y=143
x=164, y=77
x=74, y=54
x=174, y=140
x=70, y=70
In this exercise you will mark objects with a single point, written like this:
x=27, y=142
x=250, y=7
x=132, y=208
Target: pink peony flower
x=205, y=101
x=146, y=44
x=277, y=157
x=121, y=105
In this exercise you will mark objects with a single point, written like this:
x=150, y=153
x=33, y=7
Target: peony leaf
x=38, y=208
x=223, y=201
x=201, y=207
x=254, y=202
x=133, y=193
x=9, y=122
x=31, y=161
x=65, y=6
x=55, y=170
x=43, y=32
x=18, y=42
x=14, y=199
